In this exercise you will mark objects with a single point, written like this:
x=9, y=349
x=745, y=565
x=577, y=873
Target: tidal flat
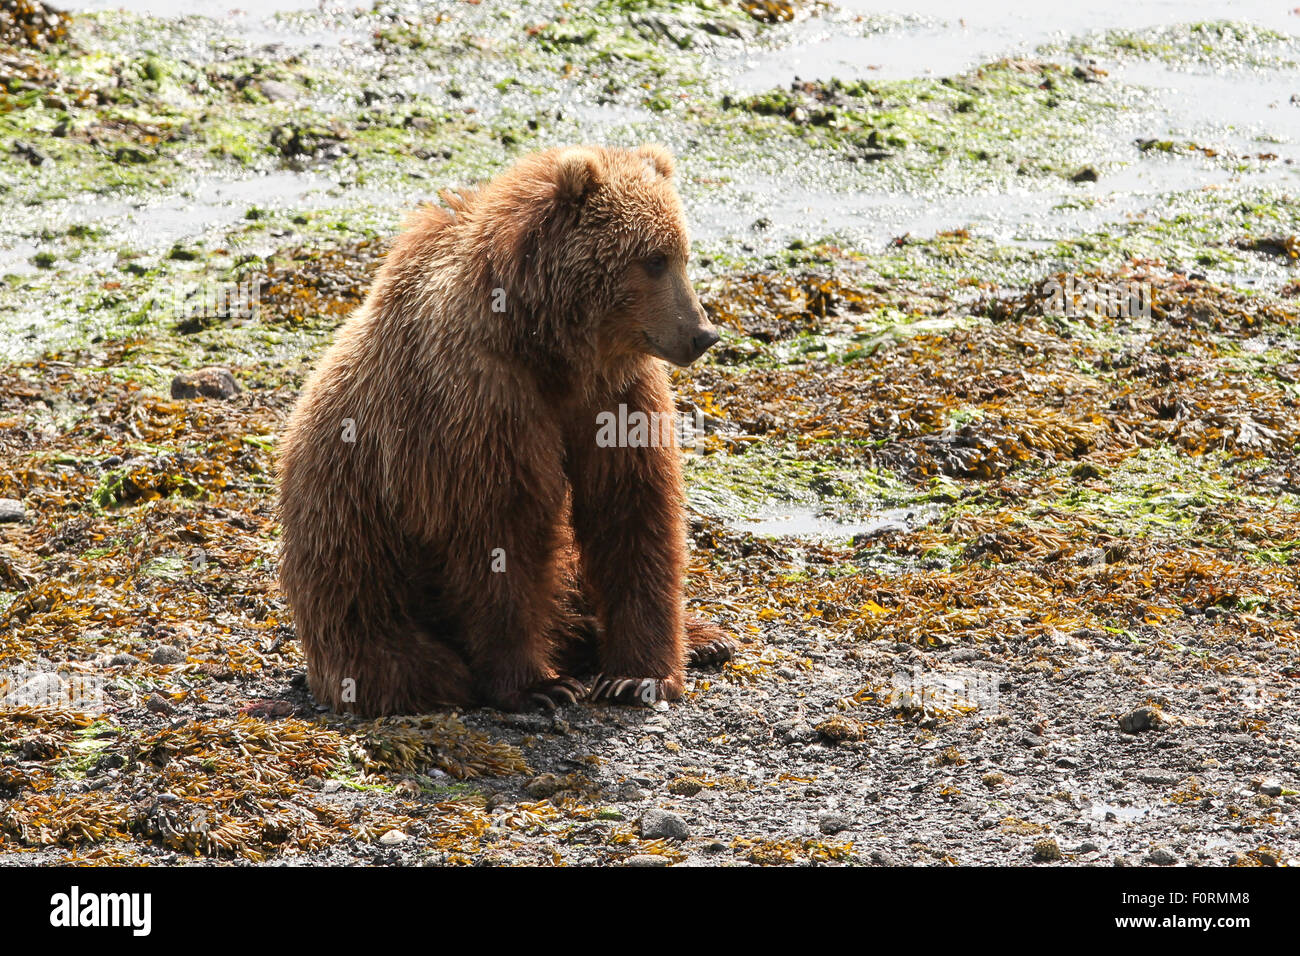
x=998, y=483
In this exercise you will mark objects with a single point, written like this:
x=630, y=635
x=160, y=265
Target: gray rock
x=1157, y=778
x=1142, y=719
x=832, y=822
x=657, y=824
x=11, y=509
x=274, y=90
x=794, y=732
x=167, y=654
x=647, y=859
x=543, y=786
x=211, y=382
x=1161, y=856
x=1271, y=788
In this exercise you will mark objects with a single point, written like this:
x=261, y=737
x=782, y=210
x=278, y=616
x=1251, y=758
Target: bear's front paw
x=636, y=691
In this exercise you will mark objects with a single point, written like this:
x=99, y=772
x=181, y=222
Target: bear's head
x=592, y=241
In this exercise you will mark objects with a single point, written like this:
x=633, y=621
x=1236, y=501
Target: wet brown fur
x=476, y=430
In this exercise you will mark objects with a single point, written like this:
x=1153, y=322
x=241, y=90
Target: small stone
x=545, y=785
x=1271, y=788
x=1088, y=174
x=663, y=824
x=274, y=90
x=831, y=822
x=158, y=704
x=393, y=837
x=795, y=732
x=210, y=382
x=647, y=859
x=11, y=509
x=631, y=793
x=331, y=786
x=123, y=660
x=167, y=654
x=1157, y=778
x=883, y=858
x=1142, y=719
x=1161, y=856
x=1046, y=850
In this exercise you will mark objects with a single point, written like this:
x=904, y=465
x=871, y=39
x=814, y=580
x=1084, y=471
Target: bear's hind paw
x=712, y=653
x=550, y=694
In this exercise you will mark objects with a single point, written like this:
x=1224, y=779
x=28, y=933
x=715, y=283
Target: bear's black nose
x=704, y=340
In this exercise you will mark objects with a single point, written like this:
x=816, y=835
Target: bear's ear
x=577, y=174
x=658, y=159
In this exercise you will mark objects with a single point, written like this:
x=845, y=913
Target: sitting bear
x=458, y=529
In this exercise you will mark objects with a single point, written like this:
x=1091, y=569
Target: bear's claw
x=642, y=691
x=556, y=693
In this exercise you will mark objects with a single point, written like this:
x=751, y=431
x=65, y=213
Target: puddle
x=806, y=522
x=1100, y=811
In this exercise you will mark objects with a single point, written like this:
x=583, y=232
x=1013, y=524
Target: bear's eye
x=655, y=265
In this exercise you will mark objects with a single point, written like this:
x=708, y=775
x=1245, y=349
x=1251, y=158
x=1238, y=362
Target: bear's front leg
x=629, y=522
x=500, y=538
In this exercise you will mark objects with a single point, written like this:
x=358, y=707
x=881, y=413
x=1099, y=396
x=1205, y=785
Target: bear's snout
x=694, y=336
x=703, y=341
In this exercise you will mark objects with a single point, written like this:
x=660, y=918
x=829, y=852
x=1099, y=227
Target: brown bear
x=455, y=531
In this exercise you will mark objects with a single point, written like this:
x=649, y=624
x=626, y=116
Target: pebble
x=11, y=509
x=393, y=837
x=657, y=824
x=1271, y=788
x=1161, y=856
x=647, y=859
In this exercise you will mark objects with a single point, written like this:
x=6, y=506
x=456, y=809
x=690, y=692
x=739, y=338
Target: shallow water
x=943, y=37
x=1242, y=111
